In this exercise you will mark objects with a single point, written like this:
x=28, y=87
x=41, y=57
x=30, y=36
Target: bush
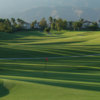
x=47, y=30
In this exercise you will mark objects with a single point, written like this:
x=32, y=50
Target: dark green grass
x=3, y=90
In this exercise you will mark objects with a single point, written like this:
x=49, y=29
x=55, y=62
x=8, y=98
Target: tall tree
x=20, y=21
x=61, y=24
x=20, y=24
x=33, y=24
x=70, y=25
x=64, y=24
x=13, y=21
x=43, y=23
x=94, y=26
x=77, y=25
x=50, y=19
x=53, y=26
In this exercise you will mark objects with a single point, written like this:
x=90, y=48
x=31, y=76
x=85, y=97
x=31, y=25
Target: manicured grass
x=69, y=78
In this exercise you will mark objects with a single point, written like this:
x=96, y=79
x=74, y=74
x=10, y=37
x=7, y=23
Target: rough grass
x=72, y=78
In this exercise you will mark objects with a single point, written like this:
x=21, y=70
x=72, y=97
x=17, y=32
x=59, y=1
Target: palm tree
x=20, y=21
x=50, y=19
x=13, y=20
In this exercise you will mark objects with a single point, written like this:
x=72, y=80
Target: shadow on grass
x=51, y=75
x=59, y=73
x=3, y=90
x=20, y=34
x=80, y=86
x=15, y=53
x=57, y=43
x=73, y=85
x=65, y=69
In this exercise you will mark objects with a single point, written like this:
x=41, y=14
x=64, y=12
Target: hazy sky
x=10, y=6
x=20, y=5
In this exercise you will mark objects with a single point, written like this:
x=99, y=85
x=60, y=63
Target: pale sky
x=20, y=5
x=10, y=6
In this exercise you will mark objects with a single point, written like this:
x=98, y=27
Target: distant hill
x=68, y=9
x=69, y=13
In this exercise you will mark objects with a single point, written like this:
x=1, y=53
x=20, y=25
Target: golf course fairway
x=72, y=71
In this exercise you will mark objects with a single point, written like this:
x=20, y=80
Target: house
x=37, y=26
x=27, y=26
x=49, y=25
x=99, y=23
x=86, y=24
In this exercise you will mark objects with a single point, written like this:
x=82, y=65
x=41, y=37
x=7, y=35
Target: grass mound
x=3, y=89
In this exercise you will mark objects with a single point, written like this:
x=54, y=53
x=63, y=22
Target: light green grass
x=70, y=78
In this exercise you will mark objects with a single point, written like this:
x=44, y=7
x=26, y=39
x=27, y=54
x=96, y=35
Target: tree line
x=13, y=25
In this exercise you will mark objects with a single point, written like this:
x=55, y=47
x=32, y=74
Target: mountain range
x=69, y=13
x=66, y=9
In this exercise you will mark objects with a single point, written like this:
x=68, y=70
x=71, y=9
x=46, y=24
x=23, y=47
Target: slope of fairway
x=72, y=72
x=40, y=90
x=37, y=44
